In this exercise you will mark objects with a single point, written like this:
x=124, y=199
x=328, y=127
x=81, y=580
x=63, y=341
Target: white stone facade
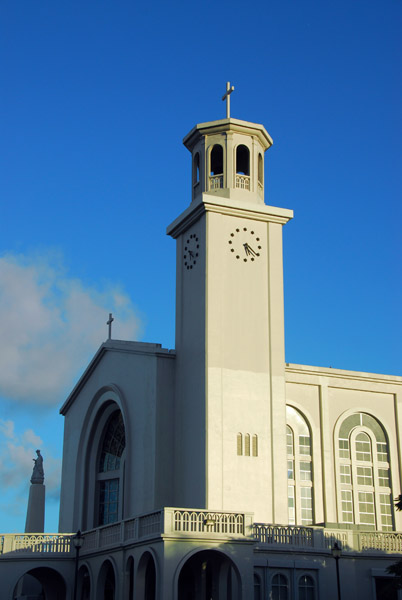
x=268, y=464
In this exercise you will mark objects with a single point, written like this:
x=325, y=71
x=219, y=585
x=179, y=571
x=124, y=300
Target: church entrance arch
x=209, y=574
x=146, y=578
x=41, y=582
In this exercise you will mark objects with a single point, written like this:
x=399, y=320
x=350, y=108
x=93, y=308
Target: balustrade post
x=168, y=520
x=9, y=542
x=97, y=538
x=355, y=542
x=318, y=537
x=248, y=524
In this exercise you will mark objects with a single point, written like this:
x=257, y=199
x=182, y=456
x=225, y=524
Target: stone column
x=35, y=521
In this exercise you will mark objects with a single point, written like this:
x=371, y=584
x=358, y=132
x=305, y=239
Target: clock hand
x=191, y=253
x=248, y=250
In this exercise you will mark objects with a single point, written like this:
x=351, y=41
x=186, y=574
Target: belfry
x=216, y=470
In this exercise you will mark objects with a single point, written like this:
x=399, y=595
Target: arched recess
x=363, y=471
x=41, y=582
x=208, y=574
x=106, y=588
x=106, y=403
x=146, y=578
x=299, y=468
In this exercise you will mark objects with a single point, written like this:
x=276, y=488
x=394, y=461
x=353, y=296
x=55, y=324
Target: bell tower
x=228, y=159
x=230, y=364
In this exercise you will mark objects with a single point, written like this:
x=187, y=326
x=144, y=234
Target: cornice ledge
x=343, y=374
x=216, y=204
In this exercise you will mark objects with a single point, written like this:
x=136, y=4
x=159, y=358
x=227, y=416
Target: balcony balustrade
x=215, y=182
x=243, y=182
x=202, y=524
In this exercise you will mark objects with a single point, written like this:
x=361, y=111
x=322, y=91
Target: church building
x=216, y=471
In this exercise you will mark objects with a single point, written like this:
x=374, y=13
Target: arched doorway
x=41, y=582
x=146, y=578
x=83, y=584
x=209, y=574
x=106, y=589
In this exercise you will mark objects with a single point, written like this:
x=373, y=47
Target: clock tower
x=230, y=364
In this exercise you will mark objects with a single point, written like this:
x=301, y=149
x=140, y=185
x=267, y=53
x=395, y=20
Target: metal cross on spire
x=229, y=90
x=111, y=319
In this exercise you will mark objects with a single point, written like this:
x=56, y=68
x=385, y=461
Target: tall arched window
x=257, y=588
x=216, y=167
x=300, y=468
x=364, y=473
x=279, y=587
x=260, y=171
x=242, y=167
x=196, y=168
x=242, y=160
x=110, y=470
x=306, y=588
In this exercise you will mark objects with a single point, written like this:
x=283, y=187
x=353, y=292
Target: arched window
x=243, y=167
x=260, y=170
x=257, y=588
x=196, y=168
x=216, y=160
x=247, y=444
x=279, y=587
x=110, y=470
x=242, y=160
x=306, y=588
x=300, y=469
x=239, y=444
x=255, y=445
x=216, y=167
x=364, y=473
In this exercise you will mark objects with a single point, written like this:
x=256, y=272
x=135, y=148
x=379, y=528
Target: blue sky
x=95, y=100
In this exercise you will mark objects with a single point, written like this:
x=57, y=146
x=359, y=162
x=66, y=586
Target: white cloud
x=7, y=428
x=31, y=438
x=50, y=325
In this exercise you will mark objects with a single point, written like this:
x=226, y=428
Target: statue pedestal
x=35, y=522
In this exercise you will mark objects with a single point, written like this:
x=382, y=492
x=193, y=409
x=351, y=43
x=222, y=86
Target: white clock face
x=191, y=247
x=244, y=244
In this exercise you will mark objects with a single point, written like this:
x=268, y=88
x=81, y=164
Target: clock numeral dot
x=245, y=259
x=257, y=239
x=232, y=249
x=252, y=259
x=244, y=228
x=237, y=256
x=230, y=242
x=232, y=235
x=259, y=247
x=237, y=230
x=252, y=232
